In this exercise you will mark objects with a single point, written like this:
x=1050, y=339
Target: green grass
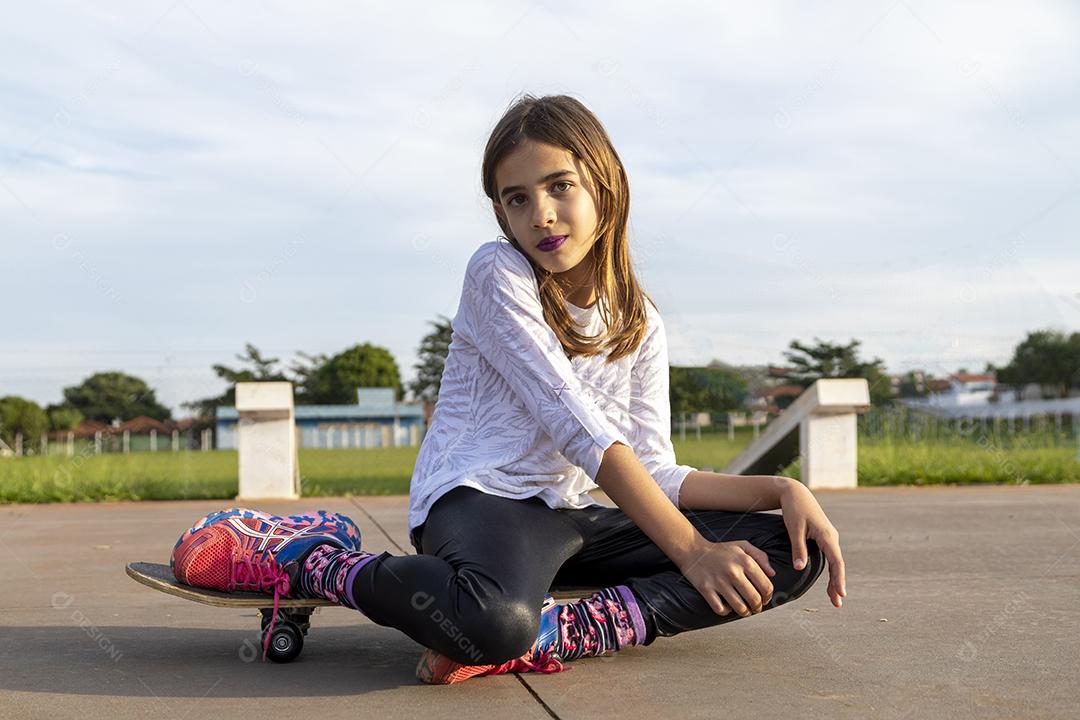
x=965, y=463
x=711, y=451
x=1011, y=459
x=195, y=475
x=1014, y=459
x=376, y=471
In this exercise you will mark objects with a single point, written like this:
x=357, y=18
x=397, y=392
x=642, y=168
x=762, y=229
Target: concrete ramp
x=819, y=427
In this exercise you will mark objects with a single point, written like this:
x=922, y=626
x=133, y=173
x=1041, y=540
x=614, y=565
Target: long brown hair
x=565, y=122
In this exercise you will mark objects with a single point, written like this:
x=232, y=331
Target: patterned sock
x=606, y=622
x=329, y=572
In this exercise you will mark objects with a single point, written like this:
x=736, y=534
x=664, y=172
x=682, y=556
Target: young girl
x=556, y=382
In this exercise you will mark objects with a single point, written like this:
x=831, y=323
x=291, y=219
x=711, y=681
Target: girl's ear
x=497, y=208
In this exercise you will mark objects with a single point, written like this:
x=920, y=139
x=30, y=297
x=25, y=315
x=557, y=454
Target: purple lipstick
x=552, y=243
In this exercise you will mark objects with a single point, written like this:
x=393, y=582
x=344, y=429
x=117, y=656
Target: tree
x=62, y=417
x=755, y=376
x=828, y=360
x=335, y=381
x=706, y=389
x=21, y=416
x=433, y=351
x=107, y=395
x=259, y=369
x=311, y=380
x=317, y=379
x=914, y=384
x=262, y=369
x=1047, y=357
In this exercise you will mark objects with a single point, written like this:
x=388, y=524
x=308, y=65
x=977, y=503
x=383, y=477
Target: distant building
x=168, y=434
x=960, y=389
x=968, y=395
x=377, y=420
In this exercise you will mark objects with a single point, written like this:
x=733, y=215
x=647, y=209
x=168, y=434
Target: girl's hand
x=730, y=576
x=805, y=519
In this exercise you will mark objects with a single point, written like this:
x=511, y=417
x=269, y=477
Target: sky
x=179, y=178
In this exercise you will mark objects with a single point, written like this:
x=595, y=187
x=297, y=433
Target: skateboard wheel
x=286, y=642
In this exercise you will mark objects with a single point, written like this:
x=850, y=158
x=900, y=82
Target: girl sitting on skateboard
x=556, y=382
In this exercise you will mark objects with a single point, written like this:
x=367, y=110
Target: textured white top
x=517, y=418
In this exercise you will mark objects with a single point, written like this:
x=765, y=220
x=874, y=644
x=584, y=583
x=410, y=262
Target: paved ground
x=963, y=602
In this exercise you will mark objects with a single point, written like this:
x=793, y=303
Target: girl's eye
x=511, y=201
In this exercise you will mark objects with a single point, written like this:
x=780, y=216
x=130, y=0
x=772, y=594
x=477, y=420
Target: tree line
x=1048, y=358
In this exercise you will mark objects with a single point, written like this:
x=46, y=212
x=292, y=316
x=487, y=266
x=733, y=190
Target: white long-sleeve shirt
x=517, y=418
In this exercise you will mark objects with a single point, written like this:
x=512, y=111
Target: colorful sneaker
x=207, y=554
x=437, y=669
x=239, y=549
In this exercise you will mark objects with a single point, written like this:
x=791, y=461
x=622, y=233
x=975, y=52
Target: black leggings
x=475, y=592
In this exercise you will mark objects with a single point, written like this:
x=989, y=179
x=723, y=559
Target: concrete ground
x=962, y=603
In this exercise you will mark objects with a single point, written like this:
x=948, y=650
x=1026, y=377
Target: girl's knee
x=778, y=545
x=503, y=631
x=800, y=580
x=815, y=562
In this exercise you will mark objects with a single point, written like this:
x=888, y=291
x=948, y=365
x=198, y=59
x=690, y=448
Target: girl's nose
x=544, y=214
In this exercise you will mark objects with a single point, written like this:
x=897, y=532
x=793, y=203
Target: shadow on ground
x=188, y=662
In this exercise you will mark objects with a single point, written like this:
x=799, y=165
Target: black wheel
x=300, y=617
x=286, y=642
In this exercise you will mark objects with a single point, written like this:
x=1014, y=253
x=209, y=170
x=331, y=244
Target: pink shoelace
x=544, y=662
x=245, y=574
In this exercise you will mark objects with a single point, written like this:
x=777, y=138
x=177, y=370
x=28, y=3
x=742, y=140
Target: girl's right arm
x=727, y=574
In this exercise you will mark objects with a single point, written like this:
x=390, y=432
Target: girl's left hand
x=805, y=519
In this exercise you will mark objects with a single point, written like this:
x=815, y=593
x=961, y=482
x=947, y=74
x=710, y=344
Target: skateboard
x=293, y=615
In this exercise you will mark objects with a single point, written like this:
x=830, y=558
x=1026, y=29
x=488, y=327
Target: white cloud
x=177, y=183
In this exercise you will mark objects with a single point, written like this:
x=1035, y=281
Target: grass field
x=1015, y=459
x=192, y=475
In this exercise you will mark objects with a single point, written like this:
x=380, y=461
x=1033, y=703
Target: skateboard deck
x=161, y=578
x=293, y=615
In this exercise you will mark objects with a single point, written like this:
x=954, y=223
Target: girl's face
x=545, y=193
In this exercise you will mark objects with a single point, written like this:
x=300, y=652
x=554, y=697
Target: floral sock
x=329, y=572
x=605, y=622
